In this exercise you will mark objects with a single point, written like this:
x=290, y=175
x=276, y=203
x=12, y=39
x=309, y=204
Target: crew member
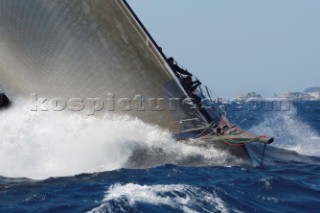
x=190, y=85
x=177, y=70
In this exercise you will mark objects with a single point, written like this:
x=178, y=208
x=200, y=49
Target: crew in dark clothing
x=190, y=85
x=4, y=101
x=176, y=68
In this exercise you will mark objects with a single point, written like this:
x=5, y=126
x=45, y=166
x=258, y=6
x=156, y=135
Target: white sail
x=88, y=49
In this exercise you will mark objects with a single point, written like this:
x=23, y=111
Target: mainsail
x=88, y=49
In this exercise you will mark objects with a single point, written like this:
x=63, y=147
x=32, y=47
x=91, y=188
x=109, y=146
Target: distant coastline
x=309, y=94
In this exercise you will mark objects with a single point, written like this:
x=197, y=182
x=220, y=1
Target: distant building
x=248, y=96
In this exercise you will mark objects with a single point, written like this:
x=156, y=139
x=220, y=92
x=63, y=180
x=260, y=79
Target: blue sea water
x=289, y=180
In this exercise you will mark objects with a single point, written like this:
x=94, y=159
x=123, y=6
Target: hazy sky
x=238, y=46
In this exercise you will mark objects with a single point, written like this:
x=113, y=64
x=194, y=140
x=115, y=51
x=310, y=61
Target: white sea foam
x=315, y=138
x=45, y=144
x=179, y=197
x=290, y=133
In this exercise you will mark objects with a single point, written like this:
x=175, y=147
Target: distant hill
x=312, y=89
x=299, y=96
x=309, y=94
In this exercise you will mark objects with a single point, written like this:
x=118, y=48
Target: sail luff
x=154, y=46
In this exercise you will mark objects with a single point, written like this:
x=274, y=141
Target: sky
x=239, y=46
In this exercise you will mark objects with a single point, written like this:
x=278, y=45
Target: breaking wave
x=295, y=139
x=45, y=144
x=178, y=197
x=290, y=132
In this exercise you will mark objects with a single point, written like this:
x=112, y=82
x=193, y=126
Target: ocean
x=67, y=164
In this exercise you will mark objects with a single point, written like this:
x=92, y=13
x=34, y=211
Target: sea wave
x=178, y=197
x=46, y=144
x=290, y=132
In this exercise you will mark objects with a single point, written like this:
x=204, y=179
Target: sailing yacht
x=97, y=54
